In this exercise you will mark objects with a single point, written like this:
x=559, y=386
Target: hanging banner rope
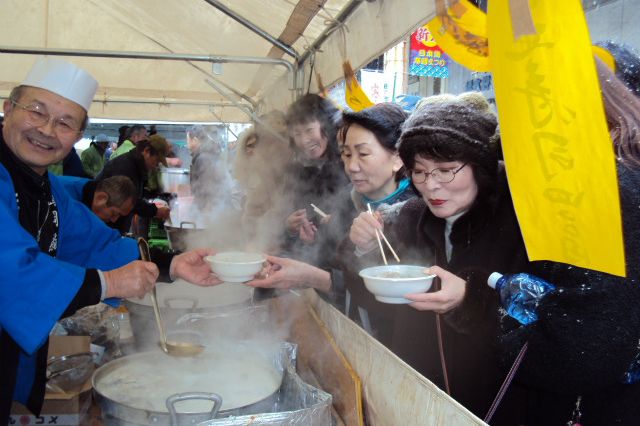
x=460, y=29
x=356, y=98
x=557, y=149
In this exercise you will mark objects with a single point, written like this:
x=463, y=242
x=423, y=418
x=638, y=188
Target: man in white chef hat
x=56, y=256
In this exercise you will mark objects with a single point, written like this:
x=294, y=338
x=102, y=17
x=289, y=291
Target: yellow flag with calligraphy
x=558, y=153
x=460, y=29
x=356, y=98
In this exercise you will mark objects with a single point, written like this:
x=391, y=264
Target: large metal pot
x=179, y=235
x=145, y=388
x=186, y=307
x=172, y=178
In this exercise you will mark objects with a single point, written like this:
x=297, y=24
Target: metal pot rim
x=111, y=365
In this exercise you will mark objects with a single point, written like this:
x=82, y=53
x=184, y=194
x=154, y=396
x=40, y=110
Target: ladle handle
x=171, y=401
x=156, y=311
x=143, y=247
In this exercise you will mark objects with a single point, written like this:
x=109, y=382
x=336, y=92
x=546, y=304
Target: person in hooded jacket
x=583, y=352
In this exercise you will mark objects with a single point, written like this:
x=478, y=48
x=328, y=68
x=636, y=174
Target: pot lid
x=183, y=295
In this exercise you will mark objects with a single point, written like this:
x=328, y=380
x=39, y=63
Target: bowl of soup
x=389, y=283
x=236, y=266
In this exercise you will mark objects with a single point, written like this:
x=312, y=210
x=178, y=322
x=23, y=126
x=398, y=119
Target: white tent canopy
x=153, y=58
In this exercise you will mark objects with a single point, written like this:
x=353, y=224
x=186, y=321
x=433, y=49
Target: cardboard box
x=62, y=409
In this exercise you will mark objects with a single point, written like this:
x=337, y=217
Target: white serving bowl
x=236, y=266
x=389, y=283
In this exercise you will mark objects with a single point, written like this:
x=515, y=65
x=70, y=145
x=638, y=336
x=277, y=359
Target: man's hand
x=448, y=297
x=134, y=279
x=192, y=267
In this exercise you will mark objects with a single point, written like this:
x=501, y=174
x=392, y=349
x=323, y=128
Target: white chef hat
x=64, y=79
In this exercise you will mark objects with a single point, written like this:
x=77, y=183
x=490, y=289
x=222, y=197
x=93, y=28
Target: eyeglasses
x=38, y=116
x=440, y=175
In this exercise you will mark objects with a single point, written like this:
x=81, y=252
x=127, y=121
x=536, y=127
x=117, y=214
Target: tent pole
x=221, y=59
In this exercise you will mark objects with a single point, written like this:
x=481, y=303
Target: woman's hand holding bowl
x=450, y=295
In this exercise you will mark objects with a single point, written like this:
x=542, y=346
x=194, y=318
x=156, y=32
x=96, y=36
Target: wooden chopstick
x=320, y=212
x=389, y=245
x=384, y=258
x=381, y=234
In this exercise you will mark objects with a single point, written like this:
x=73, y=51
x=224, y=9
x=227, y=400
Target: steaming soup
x=394, y=274
x=145, y=381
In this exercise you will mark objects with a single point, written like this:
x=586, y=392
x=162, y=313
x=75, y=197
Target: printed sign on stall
x=426, y=58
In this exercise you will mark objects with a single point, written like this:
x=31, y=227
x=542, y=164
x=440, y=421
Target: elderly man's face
x=40, y=146
x=100, y=206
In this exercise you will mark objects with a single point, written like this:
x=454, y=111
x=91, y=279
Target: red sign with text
x=426, y=58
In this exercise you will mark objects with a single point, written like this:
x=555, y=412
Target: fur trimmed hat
x=451, y=131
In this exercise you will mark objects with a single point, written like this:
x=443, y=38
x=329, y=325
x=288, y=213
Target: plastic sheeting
x=298, y=404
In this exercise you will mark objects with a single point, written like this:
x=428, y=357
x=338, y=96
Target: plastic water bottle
x=520, y=294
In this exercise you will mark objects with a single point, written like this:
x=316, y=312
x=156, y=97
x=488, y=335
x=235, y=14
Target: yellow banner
x=461, y=31
x=558, y=153
x=354, y=95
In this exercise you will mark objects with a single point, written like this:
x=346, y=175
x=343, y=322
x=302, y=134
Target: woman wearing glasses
x=463, y=223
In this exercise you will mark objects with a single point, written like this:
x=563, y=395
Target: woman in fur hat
x=464, y=223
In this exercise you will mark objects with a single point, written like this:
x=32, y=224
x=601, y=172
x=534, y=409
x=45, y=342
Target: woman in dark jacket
x=316, y=176
x=465, y=224
x=371, y=161
x=584, y=349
